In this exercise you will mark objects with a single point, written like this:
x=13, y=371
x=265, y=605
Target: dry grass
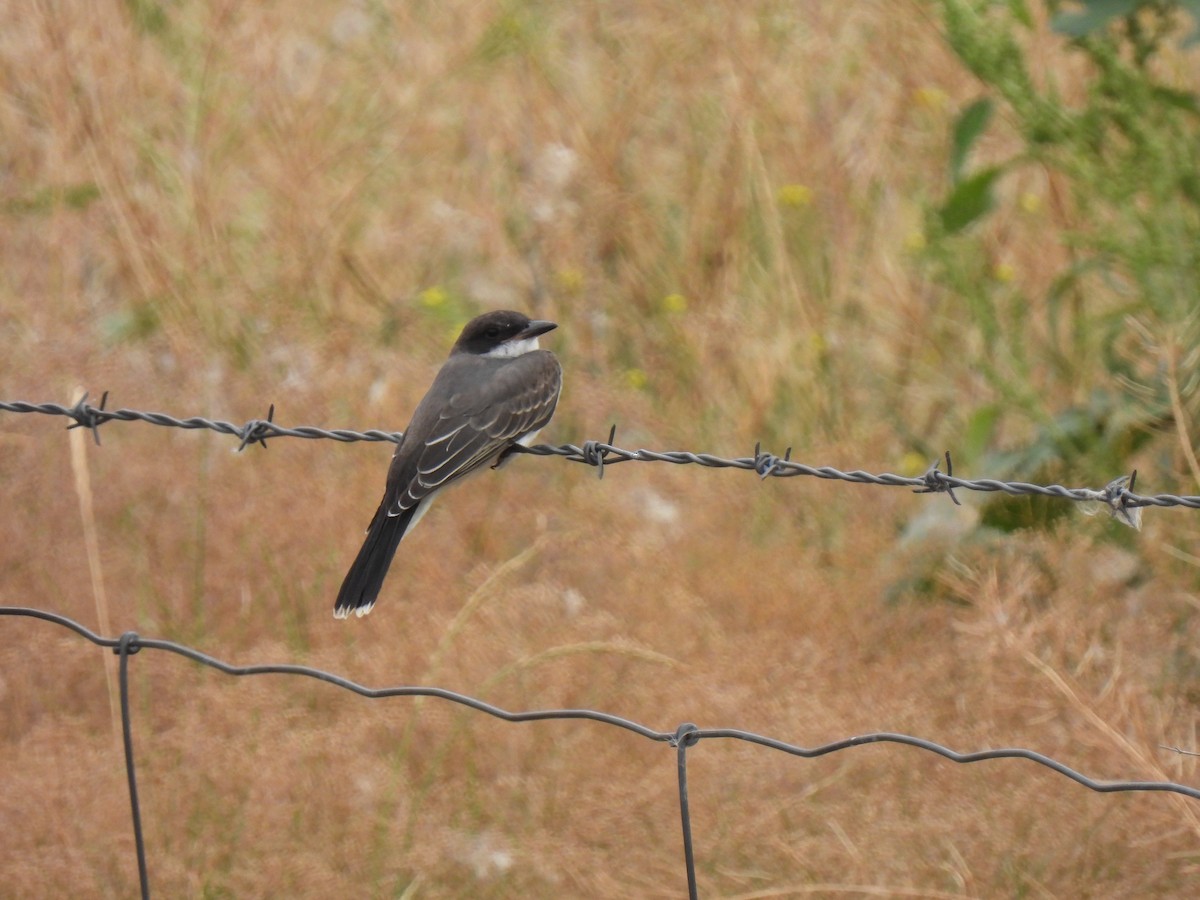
x=246, y=203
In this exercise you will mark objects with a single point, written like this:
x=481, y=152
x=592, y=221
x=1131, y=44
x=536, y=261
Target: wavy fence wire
x=1117, y=497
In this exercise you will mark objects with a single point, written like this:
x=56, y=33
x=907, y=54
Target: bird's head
x=501, y=332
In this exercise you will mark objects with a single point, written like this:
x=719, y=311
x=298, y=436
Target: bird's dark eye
x=493, y=332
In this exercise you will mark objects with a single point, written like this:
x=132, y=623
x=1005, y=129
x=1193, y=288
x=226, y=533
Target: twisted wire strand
x=1118, y=495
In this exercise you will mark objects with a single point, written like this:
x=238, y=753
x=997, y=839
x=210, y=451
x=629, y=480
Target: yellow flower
x=795, y=195
x=433, y=297
x=913, y=464
x=933, y=98
x=674, y=303
x=1004, y=272
x=1031, y=202
x=569, y=281
x=635, y=378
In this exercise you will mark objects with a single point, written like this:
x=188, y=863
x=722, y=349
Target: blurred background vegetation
x=868, y=231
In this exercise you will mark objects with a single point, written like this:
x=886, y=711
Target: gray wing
x=510, y=399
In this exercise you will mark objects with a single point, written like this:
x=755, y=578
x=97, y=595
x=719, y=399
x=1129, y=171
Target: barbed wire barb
x=89, y=417
x=765, y=464
x=594, y=452
x=256, y=430
x=936, y=483
x=1116, y=497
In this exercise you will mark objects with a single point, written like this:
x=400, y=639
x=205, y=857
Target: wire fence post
x=126, y=647
x=685, y=736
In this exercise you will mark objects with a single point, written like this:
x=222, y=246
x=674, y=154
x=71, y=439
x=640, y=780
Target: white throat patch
x=513, y=348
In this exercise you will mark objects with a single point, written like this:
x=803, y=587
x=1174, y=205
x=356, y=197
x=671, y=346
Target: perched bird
x=495, y=390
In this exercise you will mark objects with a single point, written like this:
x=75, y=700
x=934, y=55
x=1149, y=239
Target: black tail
x=365, y=578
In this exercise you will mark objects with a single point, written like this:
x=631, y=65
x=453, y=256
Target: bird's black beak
x=536, y=327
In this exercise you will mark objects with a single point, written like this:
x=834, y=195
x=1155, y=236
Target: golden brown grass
x=239, y=204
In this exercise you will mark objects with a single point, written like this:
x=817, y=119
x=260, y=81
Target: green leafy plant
x=1117, y=324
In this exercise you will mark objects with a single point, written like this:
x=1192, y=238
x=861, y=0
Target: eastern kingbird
x=496, y=389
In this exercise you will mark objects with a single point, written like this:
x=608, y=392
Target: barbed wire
x=681, y=739
x=1117, y=497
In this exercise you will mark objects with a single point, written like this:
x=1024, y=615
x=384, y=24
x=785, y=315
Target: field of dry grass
x=209, y=207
